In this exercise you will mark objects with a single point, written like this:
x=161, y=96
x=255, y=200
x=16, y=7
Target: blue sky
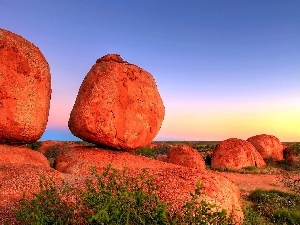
x=227, y=68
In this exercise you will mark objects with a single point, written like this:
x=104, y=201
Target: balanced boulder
x=184, y=155
x=25, y=90
x=236, y=154
x=118, y=105
x=268, y=146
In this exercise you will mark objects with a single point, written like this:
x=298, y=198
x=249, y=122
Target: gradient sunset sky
x=224, y=68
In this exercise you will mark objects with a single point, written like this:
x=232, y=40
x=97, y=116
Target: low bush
x=34, y=146
x=148, y=152
x=252, y=217
x=277, y=206
x=204, y=148
x=114, y=198
x=294, y=149
x=47, y=207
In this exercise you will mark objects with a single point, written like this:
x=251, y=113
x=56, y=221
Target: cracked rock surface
x=118, y=105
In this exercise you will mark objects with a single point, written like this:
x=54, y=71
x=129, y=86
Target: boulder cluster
x=118, y=107
x=236, y=154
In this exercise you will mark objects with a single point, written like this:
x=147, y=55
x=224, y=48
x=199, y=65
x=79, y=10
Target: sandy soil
x=249, y=182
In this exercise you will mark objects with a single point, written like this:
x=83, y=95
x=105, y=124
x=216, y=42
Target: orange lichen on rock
x=25, y=90
x=268, y=146
x=235, y=154
x=118, y=105
x=184, y=155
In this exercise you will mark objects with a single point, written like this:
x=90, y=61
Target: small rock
x=184, y=155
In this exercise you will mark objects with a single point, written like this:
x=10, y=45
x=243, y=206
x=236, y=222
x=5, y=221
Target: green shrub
x=251, y=170
x=163, y=149
x=34, y=146
x=276, y=205
x=252, y=217
x=295, y=148
x=285, y=216
x=46, y=207
x=148, y=152
x=114, y=198
x=204, y=148
x=117, y=199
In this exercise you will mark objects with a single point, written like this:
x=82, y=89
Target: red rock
x=21, y=156
x=268, y=146
x=161, y=157
x=118, y=105
x=175, y=182
x=24, y=90
x=235, y=154
x=19, y=179
x=186, y=156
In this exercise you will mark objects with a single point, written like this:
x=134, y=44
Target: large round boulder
x=268, y=146
x=236, y=154
x=25, y=90
x=118, y=105
x=184, y=155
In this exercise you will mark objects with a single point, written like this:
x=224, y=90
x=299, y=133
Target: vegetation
x=52, y=152
x=114, y=198
x=35, y=145
x=147, y=152
x=294, y=148
x=159, y=149
x=252, y=217
x=47, y=207
x=276, y=206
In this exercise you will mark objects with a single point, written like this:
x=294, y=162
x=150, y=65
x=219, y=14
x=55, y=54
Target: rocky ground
x=71, y=161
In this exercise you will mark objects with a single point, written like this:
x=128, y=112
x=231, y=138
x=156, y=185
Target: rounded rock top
x=111, y=58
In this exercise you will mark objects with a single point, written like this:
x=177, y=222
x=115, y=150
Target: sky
x=224, y=68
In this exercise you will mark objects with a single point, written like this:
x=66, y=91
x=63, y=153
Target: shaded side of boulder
x=268, y=146
x=292, y=154
x=118, y=105
x=184, y=155
x=25, y=90
x=236, y=154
